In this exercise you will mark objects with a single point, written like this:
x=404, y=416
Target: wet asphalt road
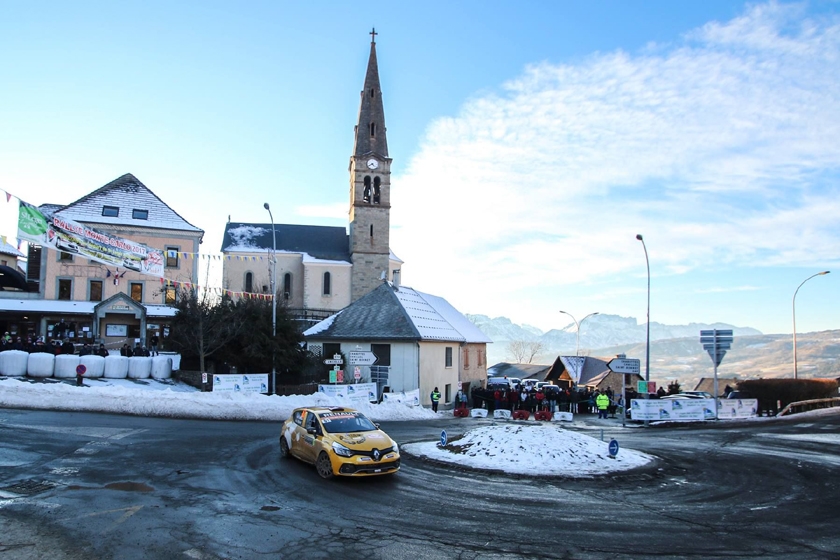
x=79, y=485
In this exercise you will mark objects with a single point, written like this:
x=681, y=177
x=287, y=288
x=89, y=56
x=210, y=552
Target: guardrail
x=812, y=404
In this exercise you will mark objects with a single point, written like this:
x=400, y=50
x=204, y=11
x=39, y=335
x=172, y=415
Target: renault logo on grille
x=376, y=454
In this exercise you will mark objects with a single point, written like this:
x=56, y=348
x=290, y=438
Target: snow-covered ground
x=510, y=446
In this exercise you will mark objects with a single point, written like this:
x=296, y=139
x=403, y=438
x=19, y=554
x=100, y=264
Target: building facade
x=76, y=298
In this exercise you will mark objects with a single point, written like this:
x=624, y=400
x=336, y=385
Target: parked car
x=698, y=394
x=339, y=441
x=738, y=395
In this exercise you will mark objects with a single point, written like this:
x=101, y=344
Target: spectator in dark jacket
x=68, y=347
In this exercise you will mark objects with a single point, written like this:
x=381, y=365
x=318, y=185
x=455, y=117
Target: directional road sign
x=334, y=362
x=362, y=358
x=613, y=449
x=624, y=365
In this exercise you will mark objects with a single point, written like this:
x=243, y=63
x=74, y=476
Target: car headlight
x=396, y=447
x=341, y=450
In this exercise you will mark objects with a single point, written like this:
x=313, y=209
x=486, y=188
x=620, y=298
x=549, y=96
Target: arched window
x=372, y=129
x=376, y=182
x=366, y=192
x=327, y=289
x=249, y=282
x=287, y=285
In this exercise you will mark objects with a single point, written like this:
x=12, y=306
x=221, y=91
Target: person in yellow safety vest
x=602, y=401
x=435, y=399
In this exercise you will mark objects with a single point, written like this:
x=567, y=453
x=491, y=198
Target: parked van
x=511, y=382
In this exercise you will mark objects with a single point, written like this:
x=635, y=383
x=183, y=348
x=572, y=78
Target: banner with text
x=405, y=397
x=355, y=393
x=241, y=383
x=72, y=237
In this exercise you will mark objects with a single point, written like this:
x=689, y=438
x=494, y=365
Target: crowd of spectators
x=551, y=398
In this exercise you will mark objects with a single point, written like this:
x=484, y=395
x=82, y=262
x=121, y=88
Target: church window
x=249, y=282
x=372, y=92
x=287, y=285
x=327, y=281
x=376, y=182
x=366, y=192
x=372, y=129
x=371, y=230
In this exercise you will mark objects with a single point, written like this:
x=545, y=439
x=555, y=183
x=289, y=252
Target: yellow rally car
x=339, y=441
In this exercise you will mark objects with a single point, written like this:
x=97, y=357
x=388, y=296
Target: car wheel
x=284, y=448
x=324, y=466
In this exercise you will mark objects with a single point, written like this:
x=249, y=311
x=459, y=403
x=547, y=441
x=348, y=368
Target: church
x=322, y=269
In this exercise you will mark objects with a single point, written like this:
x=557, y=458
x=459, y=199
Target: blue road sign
x=613, y=448
x=442, y=438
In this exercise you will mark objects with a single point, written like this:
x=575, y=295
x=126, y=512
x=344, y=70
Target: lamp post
x=795, y=368
x=273, y=300
x=647, y=339
x=577, y=329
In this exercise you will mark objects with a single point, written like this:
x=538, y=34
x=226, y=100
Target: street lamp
x=273, y=300
x=577, y=327
x=647, y=340
x=795, y=369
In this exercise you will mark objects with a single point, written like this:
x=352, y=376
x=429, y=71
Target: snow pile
x=531, y=449
x=153, y=398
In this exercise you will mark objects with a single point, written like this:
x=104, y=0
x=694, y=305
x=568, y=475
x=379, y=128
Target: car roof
x=326, y=409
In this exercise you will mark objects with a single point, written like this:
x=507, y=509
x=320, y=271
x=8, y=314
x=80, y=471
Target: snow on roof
x=321, y=326
x=428, y=321
x=242, y=238
x=136, y=205
x=394, y=257
x=8, y=249
x=79, y=307
x=455, y=318
x=309, y=259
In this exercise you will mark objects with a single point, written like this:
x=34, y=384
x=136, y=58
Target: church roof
x=371, y=112
x=134, y=203
x=320, y=242
x=398, y=313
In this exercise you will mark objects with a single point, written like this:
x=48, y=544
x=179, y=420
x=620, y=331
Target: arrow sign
x=333, y=362
x=624, y=365
x=727, y=332
x=362, y=358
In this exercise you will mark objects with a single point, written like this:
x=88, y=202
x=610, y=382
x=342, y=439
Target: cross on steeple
x=373, y=35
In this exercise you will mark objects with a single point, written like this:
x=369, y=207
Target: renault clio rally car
x=338, y=441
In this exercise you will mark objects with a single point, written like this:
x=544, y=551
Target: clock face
x=372, y=164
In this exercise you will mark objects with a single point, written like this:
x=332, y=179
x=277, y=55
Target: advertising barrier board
x=241, y=383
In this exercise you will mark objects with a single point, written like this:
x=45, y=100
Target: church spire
x=370, y=129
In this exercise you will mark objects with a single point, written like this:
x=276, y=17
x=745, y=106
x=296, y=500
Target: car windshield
x=343, y=422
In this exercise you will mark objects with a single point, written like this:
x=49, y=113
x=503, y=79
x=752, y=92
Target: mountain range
x=675, y=350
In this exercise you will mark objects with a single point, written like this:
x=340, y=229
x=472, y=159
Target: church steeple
x=370, y=128
x=370, y=189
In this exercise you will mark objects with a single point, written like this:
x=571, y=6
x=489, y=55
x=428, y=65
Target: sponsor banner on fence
x=690, y=409
x=355, y=393
x=240, y=383
x=72, y=237
x=738, y=408
x=406, y=397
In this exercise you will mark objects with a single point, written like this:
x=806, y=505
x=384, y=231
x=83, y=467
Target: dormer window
x=111, y=211
x=140, y=214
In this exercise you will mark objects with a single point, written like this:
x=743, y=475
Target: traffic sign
x=443, y=438
x=717, y=332
x=624, y=365
x=613, y=448
x=334, y=362
x=81, y=369
x=362, y=358
x=357, y=373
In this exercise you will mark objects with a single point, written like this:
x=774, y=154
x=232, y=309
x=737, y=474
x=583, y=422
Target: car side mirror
x=312, y=431
x=376, y=424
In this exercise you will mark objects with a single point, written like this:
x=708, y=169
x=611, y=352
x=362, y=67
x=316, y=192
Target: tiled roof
x=522, y=371
x=398, y=313
x=708, y=384
x=320, y=242
x=126, y=194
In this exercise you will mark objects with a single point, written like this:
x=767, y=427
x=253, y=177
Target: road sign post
x=716, y=343
x=361, y=358
x=625, y=366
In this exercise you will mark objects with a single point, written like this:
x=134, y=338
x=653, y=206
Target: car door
x=307, y=448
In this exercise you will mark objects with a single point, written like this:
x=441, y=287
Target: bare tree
x=524, y=351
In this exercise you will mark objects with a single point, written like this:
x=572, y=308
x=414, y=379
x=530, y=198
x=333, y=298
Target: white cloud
x=721, y=149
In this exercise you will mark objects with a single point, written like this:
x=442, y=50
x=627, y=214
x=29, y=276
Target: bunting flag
x=8, y=196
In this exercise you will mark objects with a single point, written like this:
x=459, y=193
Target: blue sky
x=532, y=140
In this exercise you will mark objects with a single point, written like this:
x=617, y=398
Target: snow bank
x=543, y=449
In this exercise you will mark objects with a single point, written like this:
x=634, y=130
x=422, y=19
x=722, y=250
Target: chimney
x=397, y=278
